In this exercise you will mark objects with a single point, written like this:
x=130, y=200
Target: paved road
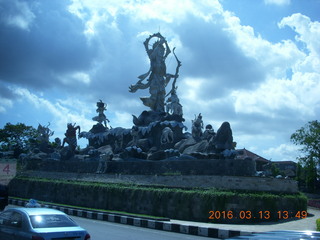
x=100, y=230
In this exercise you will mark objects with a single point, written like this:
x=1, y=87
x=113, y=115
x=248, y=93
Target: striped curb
x=140, y=222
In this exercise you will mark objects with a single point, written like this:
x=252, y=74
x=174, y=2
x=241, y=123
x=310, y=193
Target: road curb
x=141, y=222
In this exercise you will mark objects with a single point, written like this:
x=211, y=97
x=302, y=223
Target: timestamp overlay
x=256, y=215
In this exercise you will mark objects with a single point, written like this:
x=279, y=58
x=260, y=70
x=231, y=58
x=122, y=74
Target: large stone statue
x=223, y=139
x=101, y=107
x=158, y=78
x=173, y=104
x=43, y=133
x=197, y=126
x=71, y=136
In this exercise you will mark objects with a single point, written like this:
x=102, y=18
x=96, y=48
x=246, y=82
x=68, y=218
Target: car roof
x=37, y=211
x=280, y=235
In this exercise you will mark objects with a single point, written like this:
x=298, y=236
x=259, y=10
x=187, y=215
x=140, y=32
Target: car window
x=11, y=218
x=5, y=218
x=48, y=221
x=16, y=220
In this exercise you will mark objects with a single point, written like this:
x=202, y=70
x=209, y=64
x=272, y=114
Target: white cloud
x=277, y=2
x=94, y=12
x=61, y=112
x=75, y=78
x=276, y=97
x=121, y=119
x=279, y=93
x=275, y=58
x=283, y=152
x=5, y=104
x=309, y=34
x=21, y=16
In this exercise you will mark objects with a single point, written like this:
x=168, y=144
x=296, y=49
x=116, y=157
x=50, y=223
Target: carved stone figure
x=135, y=135
x=197, y=126
x=166, y=136
x=44, y=133
x=71, y=137
x=101, y=107
x=158, y=78
x=209, y=132
x=103, y=162
x=223, y=139
x=57, y=141
x=173, y=104
x=118, y=144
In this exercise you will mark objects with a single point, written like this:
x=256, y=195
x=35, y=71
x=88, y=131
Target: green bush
x=318, y=224
x=176, y=203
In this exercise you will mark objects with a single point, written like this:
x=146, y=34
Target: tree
x=309, y=138
x=16, y=137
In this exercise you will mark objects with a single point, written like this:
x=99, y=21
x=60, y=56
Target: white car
x=281, y=235
x=39, y=224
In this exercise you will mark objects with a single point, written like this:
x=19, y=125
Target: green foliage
x=275, y=171
x=187, y=204
x=177, y=173
x=16, y=136
x=308, y=137
x=318, y=224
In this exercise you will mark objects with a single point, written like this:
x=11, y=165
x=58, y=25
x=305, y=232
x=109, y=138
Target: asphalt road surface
x=100, y=230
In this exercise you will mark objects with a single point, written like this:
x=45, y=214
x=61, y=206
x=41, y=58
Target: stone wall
x=194, y=205
x=225, y=167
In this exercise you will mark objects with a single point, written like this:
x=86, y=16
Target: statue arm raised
x=139, y=85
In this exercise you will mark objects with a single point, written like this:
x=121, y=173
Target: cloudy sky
x=255, y=63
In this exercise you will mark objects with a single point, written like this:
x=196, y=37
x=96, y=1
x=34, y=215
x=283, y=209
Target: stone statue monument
x=43, y=133
x=197, y=126
x=101, y=118
x=71, y=136
x=173, y=104
x=157, y=76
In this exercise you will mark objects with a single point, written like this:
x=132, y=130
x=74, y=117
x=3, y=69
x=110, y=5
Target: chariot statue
x=157, y=76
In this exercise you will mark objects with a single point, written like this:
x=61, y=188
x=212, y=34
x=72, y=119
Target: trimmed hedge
x=176, y=203
x=318, y=224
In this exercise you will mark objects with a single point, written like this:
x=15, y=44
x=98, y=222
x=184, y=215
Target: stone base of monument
x=232, y=174
x=173, y=166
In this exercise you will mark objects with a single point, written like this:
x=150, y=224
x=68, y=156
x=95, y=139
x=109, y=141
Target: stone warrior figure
x=101, y=107
x=44, y=133
x=173, y=104
x=158, y=77
x=71, y=137
x=197, y=126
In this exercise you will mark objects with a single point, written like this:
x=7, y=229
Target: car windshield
x=49, y=221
